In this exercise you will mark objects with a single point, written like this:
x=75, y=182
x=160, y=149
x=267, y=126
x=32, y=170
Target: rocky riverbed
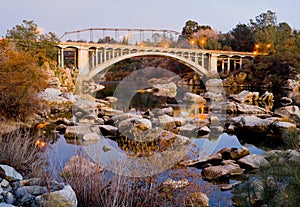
x=142, y=133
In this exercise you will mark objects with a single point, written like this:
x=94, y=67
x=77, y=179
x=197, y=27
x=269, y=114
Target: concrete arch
x=68, y=46
x=197, y=68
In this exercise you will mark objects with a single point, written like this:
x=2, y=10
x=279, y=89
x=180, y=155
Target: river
x=61, y=151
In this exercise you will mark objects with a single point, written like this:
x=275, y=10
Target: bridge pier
x=61, y=58
x=83, y=58
x=213, y=66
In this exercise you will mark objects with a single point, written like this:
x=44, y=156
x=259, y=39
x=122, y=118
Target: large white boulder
x=65, y=197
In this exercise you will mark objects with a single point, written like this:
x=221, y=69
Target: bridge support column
x=213, y=64
x=234, y=64
x=241, y=63
x=223, y=65
x=202, y=60
x=83, y=58
x=104, y=55
x=101, y=57
x=228, y=65
x=60, y=58
x=97, y=58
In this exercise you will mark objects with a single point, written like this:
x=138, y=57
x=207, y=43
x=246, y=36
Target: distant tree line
x=262, y=34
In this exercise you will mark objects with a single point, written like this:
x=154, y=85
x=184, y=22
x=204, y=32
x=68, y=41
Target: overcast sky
x=59, y=16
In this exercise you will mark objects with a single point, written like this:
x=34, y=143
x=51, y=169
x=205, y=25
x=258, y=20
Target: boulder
x=280, y=125
x=107, y=111
x=252, y=161
x=226, y=107
x=91, y=137
x=229, y=107
x=238, y=153
x=250, y=109
x=188, y=130
x=194, y=98
x=234, y=153
x=214, y=120
x=33, y=190
x=204, y=131
x=200, y=162
x=65, y=197
x=31, y=181
x=167, y=89
x=214, y=83
x=108, y=130
x=290, y=112
x=221, y=172
x=80, y=166
x=51, y=94
x=159, y=112
x=8, y=197
x=121, y=117
x=167, y=122
x=196, y=199
x=134, y=126
x=243, y=97
x=213, y=96
x=73, y=132
x=10, y=173
x=179, y=121
x=174, y=184
x=4, y=183
x=250, y=121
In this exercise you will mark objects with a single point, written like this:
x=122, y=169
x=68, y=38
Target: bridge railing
x=130, y=36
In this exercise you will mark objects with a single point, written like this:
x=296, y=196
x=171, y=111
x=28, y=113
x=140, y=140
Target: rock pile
x=226, y=163
x=16, y=191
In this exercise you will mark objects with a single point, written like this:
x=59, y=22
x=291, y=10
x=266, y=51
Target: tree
x=243, y=38
x=205, y=35
x=265, y=31
x=225, y=40
x=189, y=29
x=29, y=38
x=156, y=38
x=212, y=44
x=264, y=20
x=284, y=35
x=20, y=81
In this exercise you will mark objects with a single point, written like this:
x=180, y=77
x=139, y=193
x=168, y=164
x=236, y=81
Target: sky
x=59, y=16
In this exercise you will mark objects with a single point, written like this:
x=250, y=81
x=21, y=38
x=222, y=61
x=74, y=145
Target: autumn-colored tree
x=29, y=37
x=20, y=81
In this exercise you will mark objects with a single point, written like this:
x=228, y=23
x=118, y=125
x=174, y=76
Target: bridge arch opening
x=67, y=57
x=202, y=72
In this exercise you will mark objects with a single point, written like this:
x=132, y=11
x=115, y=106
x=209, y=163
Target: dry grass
x=18, y=150
x=107, y=189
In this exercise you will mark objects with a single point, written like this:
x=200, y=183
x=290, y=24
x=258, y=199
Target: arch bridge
x=93, y=58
